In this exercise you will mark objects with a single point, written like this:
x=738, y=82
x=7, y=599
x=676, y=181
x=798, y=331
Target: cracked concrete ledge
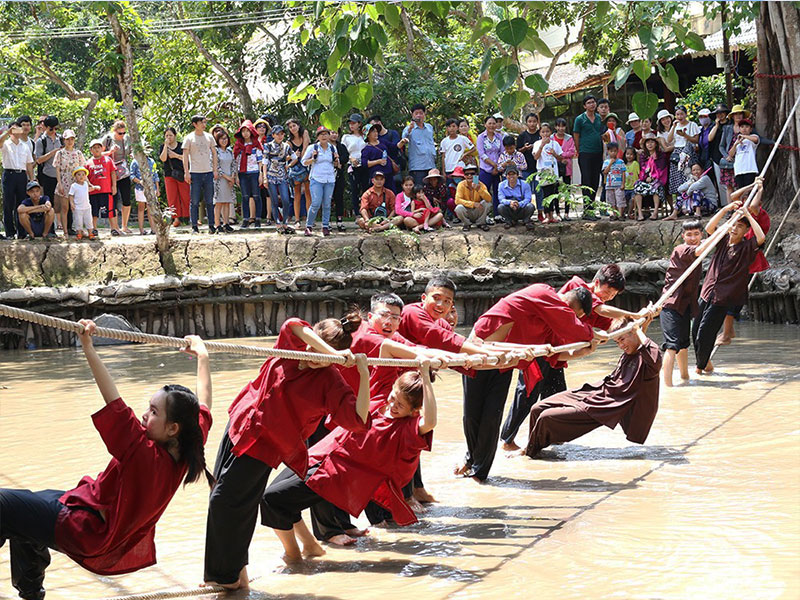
x=59, y=264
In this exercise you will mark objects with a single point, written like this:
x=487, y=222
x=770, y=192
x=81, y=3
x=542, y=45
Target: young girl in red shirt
x=107, y=525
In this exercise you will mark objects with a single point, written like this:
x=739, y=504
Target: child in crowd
x=103, y=175
x=138, y=191
x=678, y=311
x=454, y=147
x=79, y=202
x=278, y=158
x=631, y=177
x=627, y=397
x=351, y=469
x=510, y=156
x=413, y=218
x=614, y=171
x=743, y=155
x=107, y=525
x=567, y=144
x=377, y=206
x=547, y=153
x=697, y=195
x=725, y=284
x=434, y=215
x=268, y=426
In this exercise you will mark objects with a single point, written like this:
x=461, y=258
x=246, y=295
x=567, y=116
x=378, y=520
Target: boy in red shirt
x=351, y=469
x=103, y=174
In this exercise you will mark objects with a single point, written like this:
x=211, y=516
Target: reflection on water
x=709, y=508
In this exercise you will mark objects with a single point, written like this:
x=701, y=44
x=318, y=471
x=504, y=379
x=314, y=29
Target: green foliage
x=644, y=103
x=709, y=91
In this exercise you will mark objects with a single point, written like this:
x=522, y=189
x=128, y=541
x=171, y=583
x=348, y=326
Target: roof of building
x=746, y=38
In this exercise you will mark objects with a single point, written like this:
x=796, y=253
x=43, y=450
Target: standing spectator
x=102, y=177
x=743, y=155
x=341, y=177
x=418, y=138
x=472, y=200
x=683, y=135
x=278, y=158
x=614, y=171
x=653, y=178
x=547, y=153
x=17, y=170
x=603, y=108
x=66, y=160
x=567, y=144
x=729, y=135
x=299, y=140
x=322, y=161
x=525, y=142
x=354, y=142
x=44, y=152
x=25, y=122
x=36, y=214
x=248, y=154
x=634, y=136
x=375, y=156
x=490, y=145
x=515, y=199
x=454, y=147
x=224, y=190
x=703, y=143
x=178, y=196
x=390, y=138
x=614, y=133
x=464, y=129
x=510, y=156
x=720, y=115
x=586, y=131
x=263, y=127
x=200, y=167
x=39, y=129
x=117, y=145
x=138, y=190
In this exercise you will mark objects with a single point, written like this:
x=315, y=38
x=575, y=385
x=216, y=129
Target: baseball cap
x=68, y=134
x=32, y=184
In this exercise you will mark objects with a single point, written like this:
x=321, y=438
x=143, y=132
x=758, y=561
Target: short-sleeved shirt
x=100, y=170
x=727, y=277
x=547, y=161
x=760, y=262
x=44, y=145
x=370, y=200
x=691, y=128
x=199, y=149
x=37, y=216
x=453, y=150
x=421, y=147
x=590, y=133
x=173, y=167
x=523, y=139
x=615, y=179
x=80, y=195
x=275, y=158
x=686, y=295
x=631, y=174
x=16, y=156
x=744, y=160
x=65, y=162
x=354, y=144
x=322, y=169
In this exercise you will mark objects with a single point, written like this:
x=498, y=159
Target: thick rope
x=184, y=593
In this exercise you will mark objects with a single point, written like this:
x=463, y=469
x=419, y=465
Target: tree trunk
x=778, y=30
x=125, y=80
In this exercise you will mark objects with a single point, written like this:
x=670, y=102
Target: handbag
x=298, y=173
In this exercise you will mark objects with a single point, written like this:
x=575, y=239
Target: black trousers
x=338, y=193
x=590, y=164
x=232, y=512
x=552, y=382
x=28, y=521
x=705, y=328
x=13, y=194
x=287, y=497
x=484, y=398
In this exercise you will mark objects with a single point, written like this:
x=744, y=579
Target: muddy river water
x=708, y=508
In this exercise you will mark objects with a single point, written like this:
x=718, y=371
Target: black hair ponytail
x=183, y=408
x=338, y=333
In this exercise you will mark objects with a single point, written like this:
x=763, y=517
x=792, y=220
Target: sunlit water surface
x=709, y=508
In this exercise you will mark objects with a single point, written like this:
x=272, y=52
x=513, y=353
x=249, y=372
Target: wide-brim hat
x=473, y=168
x=612, y=115
x=738, y=108
x=633, y=117
x=458, y=171
x=721, y=108
x=663, y=113
x=433, y=174
x=79, y=169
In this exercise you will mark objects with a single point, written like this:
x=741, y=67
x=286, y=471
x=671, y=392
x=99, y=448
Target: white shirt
x=354, y=144
x=691, y=128
x=199, y=148
x=453, y=150
x=745, y=159
x=547, y=162
x=80, y=195
x=16, y=156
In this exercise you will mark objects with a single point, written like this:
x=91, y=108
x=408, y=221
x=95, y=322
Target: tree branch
x=276, y=41
x=409, y=32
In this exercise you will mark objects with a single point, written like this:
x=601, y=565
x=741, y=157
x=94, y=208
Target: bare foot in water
x=510, y=447
x=356, y=532
x=415, y=505
x=242, y=584
x=312, y=550
x=423, y=496
x=291, y=559
x=461, y=469
x=723, y=340
x=341, y=540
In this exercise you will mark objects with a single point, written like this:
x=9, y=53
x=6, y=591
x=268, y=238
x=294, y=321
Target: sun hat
x=96, y=142
x=633, y=117
x=77, y=169
x=68, y=134
x=433, y=174
x=721, y=108
x=470, y=168
x=458, y=171
x=663, y=113
x=738, y=108
x=704, y=112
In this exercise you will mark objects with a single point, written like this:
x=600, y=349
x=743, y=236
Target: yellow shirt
x=471, y=197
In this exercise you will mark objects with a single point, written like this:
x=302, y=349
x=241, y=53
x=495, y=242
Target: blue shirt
x=520, y=193
x=322, y=169
x=421, y=147
x=616, y=174
x=136, y=172
x=629, y=137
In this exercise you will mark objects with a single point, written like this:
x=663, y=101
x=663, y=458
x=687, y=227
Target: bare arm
x=712, y=225
x=362, y=398
x=198, y=349
x=428, y=420
x=759, y=233
x=105, y=383
x=307, y=335
x=164, y=156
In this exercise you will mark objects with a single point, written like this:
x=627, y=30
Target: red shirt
x=420, y=328
x=356, y=467
x=593, y=318
x=276, y=412
x=760, y=261
x=100, y=170
x=132, y=494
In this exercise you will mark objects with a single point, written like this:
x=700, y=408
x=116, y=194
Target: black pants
x=484, y=398
x=705, y=328
x=338, y=194
x=28, y=520
x=676, y=328
x=14, y=193
x=590, y=164
x=287, y=497
x=552, y=382
x=232, y=512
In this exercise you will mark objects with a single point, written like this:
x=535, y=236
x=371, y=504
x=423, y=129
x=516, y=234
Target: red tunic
x=540, y=316
x=131, y=494
x=356, y=467
x=420, y=328
x=593, y=318
x=276, y=412
x=760, y=261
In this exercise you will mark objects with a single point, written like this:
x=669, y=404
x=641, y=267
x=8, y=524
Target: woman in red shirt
x=107, y=525
x=350, y=469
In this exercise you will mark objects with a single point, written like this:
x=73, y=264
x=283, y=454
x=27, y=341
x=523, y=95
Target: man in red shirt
x=535, y=315
x=102, y=173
